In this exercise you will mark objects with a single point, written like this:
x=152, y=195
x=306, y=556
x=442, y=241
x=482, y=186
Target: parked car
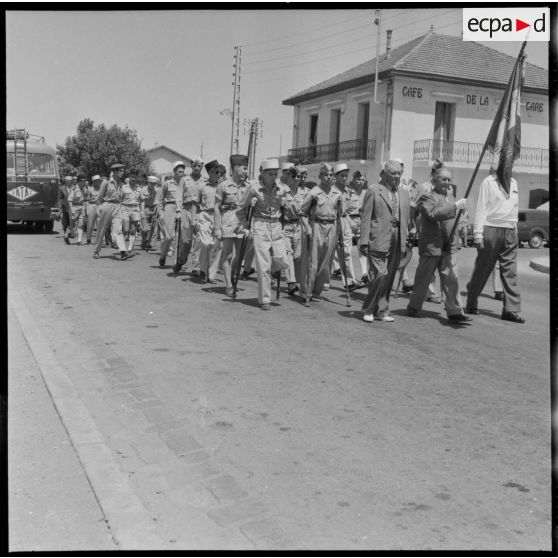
x=532, y=227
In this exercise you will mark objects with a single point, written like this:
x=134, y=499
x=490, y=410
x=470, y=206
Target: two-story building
x=436, y=97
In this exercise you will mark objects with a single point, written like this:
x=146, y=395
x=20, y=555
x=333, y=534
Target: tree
x=95, y=148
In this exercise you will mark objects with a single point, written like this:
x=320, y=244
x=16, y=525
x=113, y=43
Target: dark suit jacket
x=377, y=217
x=438, y=215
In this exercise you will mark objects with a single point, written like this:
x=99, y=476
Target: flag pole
x=460, y=212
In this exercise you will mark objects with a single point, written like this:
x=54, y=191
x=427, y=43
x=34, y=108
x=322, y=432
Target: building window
x=444, y=126
x=313, y=136
x=334, y=130
x=363, y=120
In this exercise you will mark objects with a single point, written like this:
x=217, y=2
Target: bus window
x=41, y=163
x=10, y=163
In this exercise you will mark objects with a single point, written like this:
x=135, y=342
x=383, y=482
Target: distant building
x=162, y=158
x=436, y=97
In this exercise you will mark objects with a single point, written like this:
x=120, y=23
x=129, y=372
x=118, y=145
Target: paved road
x=221, y=426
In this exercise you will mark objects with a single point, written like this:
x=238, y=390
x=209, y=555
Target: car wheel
x=49, y=226
x=536, y=240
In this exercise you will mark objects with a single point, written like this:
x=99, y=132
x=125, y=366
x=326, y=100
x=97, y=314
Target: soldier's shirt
x=228, y=195
x=294, y=203
x=112, y=192
x=148, y=196
x=168, y=193
x=325, y=206
x=351, y=200
x=207, y=197
x=92, y=194
x=190, y=190
x=269, y=200
x=130, y=196
x=76, y=195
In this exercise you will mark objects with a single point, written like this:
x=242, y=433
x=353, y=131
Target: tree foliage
x=95, y=148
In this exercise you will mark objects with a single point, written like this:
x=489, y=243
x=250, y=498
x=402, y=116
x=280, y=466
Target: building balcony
x=466, y=154
x=331, y=152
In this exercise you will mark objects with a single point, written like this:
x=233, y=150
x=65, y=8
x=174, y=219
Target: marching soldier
x=320, y=205
x=227, y=198
x=170, y=208
x=188, y=196
x=210, y=248
x=303, y=176
x=292, y=231
x=266, y=227
x=147, y=207
x=109, y=214
x=358, y=184
x=76, y=200
x=92, y=207
x=350, y=222
x=130, y=208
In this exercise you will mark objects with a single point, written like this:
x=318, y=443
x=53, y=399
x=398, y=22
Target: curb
x=130, y=523
x=540, y=264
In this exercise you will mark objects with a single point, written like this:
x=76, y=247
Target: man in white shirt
x=495, y=237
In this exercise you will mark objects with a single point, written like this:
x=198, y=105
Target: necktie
x=395, y=204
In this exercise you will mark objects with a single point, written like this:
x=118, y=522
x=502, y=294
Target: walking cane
x=178, y=235
x=341, y=251
x=151, y=231
x=403, y=262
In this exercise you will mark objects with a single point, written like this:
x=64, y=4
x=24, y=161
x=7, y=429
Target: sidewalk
x=51, y=504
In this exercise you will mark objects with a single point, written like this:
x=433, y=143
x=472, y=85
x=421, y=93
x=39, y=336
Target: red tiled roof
x=434, y=56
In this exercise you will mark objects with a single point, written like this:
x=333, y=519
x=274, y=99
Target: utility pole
x=255, y=131
x=235, y=128
x=378, y=22
x=201, y=150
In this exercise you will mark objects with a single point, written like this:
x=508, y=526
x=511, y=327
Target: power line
x=301, y=33
x=405, y=39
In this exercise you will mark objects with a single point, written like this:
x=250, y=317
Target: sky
x=168, y=73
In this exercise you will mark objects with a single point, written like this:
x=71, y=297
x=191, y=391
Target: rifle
x=281, y=220
x=151, y=232
x=341, y=250
x=242, y=251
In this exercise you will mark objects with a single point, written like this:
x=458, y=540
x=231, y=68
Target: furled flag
x=504, y=138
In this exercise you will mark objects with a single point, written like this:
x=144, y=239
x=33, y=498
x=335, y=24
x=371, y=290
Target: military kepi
x=211, y=165
x=340, y=168
x=117, y=166
x=238, y=160
x=270, y=164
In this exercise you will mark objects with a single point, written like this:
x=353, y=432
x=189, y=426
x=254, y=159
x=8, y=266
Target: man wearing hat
x=76, y=201
x=350, y=221
x=384, y=229
x=147, y=207
x=266, y=227
x=227, y=198
x=210, y=248
x=109, y=200
x=92, y=210
x=169, y=204
x=320, y=205
x=188, y=200
x=284, y=180
x=130, y=208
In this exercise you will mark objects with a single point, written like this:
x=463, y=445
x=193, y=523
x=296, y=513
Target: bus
x=33, y=181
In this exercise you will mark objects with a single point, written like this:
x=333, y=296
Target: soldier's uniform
x=92, y=210
x=227, y=197
x=188, y=200
x=292, y=232
x=166, y=202
x=210, y=247
x=266, y=228
x=77, y=198
x=130, y=211
x=109, y=196
x=148, y=195
x=321, y=207
x=350, y=220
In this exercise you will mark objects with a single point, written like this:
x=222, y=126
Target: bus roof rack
x=22, y=134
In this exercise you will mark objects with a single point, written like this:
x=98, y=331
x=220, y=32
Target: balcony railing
x=463, y=152
x=331, y=152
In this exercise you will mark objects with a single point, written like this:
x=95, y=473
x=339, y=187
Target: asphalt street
x=202, y=423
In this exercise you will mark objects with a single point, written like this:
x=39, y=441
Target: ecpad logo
x=506, y=24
